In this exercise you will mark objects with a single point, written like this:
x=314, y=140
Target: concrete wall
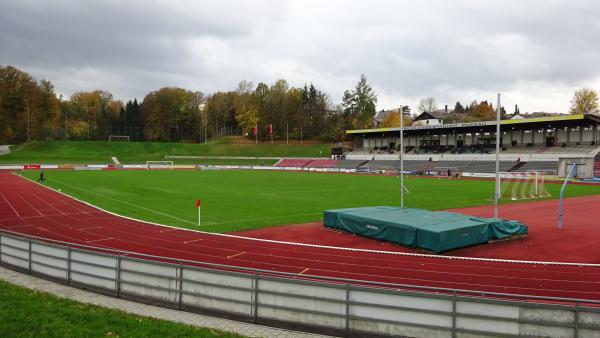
x=585, y=167
x=338, y=306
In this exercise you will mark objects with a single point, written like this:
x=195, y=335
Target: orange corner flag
x=198, y=203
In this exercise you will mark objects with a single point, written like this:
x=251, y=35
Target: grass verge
x=140, y=152
x=29, y=313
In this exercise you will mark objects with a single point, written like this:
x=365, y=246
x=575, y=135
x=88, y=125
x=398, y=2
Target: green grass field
x=140, y=152
x=27, y=313
x=240, y=200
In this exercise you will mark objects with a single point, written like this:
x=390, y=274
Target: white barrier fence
x=336, y=306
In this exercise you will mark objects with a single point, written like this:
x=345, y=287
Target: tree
x=427, y=104
x=458, y=108
x=359, y=105
x=246, y=111
x=97, y=109
x=28, y=109
x=171, y=114
x=585, y=101
x=482, y=111
x=392, y=120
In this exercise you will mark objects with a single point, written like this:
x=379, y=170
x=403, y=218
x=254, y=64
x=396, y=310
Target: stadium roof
x=550, y=119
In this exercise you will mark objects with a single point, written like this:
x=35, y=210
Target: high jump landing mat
x=435, y=231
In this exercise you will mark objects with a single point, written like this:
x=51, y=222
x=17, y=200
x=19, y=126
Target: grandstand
x=526, y=144
x=307, y=163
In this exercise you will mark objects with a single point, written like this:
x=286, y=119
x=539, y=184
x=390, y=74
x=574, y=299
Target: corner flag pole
x=198, y=206
x=497, y=187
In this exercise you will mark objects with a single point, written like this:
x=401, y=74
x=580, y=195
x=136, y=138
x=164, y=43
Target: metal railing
x=325, y=304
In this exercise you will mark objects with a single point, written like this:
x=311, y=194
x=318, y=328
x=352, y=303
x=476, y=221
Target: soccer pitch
x=240, y=200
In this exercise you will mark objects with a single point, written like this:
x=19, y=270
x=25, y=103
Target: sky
x=535, y=53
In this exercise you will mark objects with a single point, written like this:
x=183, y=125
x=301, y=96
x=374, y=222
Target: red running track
x=29, y=208
x=576, y=242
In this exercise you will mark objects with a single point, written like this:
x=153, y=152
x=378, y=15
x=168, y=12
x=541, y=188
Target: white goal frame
x=159, y=165
x=120, y=138
x=524, y=185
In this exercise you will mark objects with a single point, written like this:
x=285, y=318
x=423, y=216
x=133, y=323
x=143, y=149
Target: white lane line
x=303, y=271
x=192, y=241
x=10, y=205
x=100, y=240
x=238, y=254
x=90, y=228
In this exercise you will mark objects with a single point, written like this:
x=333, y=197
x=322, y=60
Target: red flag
x=255, y=129
x=198, y=203
x=271, y=129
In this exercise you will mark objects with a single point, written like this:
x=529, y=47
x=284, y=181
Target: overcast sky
x=536, y=53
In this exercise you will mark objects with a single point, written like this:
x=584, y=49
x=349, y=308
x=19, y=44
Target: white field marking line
x=124, y=202
x=274, y=194
x=477, y=259
x=303, y=271
x=241, y=220
x=238, y=254
x=10, y=204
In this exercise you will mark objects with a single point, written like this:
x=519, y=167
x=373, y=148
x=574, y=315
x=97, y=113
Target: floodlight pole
x=66, y=116
x=497, y=187
x=401, y=158
x=27, y=120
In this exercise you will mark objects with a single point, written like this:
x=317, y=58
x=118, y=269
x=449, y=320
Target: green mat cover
x=436, y=231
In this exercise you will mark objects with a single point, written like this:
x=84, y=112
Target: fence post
x=453, y=314
x=29, y=260
x=69, y=266
x=180, y=284
x=576, y=328
x=118, y=276
x=347, y=307
x=255, y=297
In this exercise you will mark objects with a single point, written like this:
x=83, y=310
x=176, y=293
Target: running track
x=31, y=209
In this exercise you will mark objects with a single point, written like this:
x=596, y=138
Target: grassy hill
x=139, y=152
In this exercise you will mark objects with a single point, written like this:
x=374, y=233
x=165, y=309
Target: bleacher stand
x=293, y=162
x=322, y=164
x=350, y=164
x=541, y=166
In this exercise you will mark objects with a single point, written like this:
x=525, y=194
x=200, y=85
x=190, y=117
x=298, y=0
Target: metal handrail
x=309, y=278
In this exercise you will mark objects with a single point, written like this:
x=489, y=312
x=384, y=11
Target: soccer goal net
x=159, y=165
x=523, y=185
x=118, y=138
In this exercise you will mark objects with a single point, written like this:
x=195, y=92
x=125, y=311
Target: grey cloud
x=452, y=50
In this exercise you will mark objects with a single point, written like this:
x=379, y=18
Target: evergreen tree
x=458, y=108
x=359, y=105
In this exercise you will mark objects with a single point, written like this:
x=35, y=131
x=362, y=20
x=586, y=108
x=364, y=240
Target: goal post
x=523, y=185
x=159, y=165
x=118, y=138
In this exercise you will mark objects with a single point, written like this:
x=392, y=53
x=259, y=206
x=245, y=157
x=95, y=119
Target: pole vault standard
x=497, y=187
x=573, y=169
x=401, y=157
